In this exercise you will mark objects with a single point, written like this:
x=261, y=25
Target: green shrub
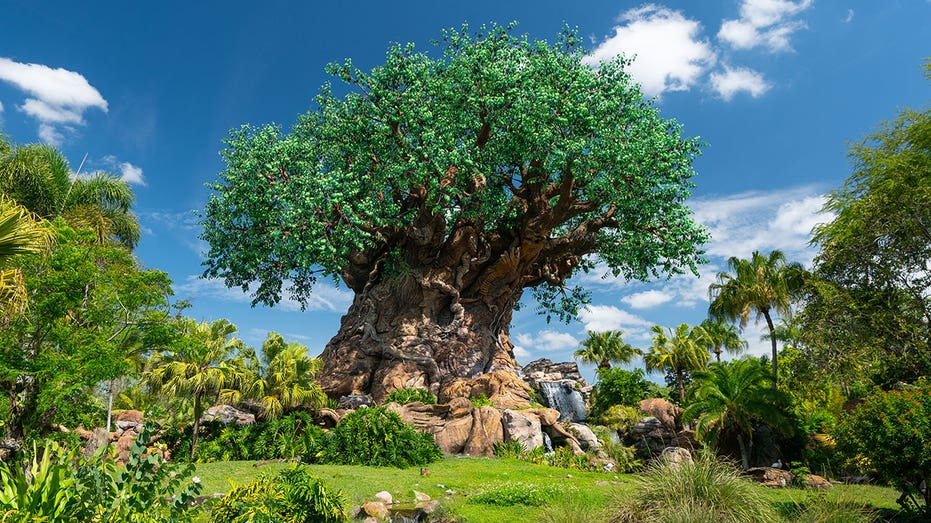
x=294, y=496
x=508, y=449
x=44, y=493
x=620, y=418
x=378, y=437
x=625, y=457
x=516, y=493
x=618, y=386
x=707, y=490
x=565, y=458
x=411, y=395
x=889, y=436
x=481, y=400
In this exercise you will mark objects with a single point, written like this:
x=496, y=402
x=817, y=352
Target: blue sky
x=776, y=88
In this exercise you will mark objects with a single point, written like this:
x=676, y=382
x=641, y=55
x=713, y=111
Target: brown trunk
x=198, y=412
x=680, y=380
x=772, y=338
x=408, y=333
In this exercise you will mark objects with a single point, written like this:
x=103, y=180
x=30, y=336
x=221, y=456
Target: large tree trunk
x=414, y=332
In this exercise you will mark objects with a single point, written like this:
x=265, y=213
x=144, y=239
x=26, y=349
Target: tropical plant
x=283, y=381
x=20, y=233
x=37, y=176
x=465, y=177
x=620, y=418
x=723, y=336
x=682, y=351
x=201, y=364
x=378, y=437
x=42, y=492
x=764, y=284
x=889, y=435
x=731, y=398
x=703, y=491
x=411, y=395
x=618, y=387
x=605, y=348
x=293, y=496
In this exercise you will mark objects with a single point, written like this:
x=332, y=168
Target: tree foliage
x=507, y=160
x=605, y=348
x=722, y=336
x=21, y=233
x=683, y=350
x=869, y=311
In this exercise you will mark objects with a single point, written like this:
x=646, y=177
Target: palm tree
x=723, y=336
x=680, y=352
x=20, y=233
x=606, y=347
x=38, y=177
x=284, y=379
x=762, y=284
x=203, y=364
x=729, y=397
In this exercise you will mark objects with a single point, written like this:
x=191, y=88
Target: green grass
x=474, y=476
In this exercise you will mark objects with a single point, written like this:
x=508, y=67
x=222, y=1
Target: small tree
x=683, y=351
x=889, y=434
x=723, y=336
x=605, y=348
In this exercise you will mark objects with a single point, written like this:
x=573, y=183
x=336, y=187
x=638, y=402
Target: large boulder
x=650, y=436
x=228, y=414
x=668, y=414
x=457, y=427
x=545, y=370
x=587, y=439
x=503, y=388
x=131, y=416
x=522, y=428
x=771, y=477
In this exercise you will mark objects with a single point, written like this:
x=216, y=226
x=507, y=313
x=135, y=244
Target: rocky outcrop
x=585, y=436
x=503, y=388
x=523, y=429
x=668, y=414
x=650, y=436
x=559, y=386
x=228, y=414
x=770, y=477
x=457, y=427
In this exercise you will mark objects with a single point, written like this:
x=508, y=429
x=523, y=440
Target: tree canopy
x=508, y=160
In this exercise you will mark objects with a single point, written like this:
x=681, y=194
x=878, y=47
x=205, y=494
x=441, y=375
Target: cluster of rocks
x=659, y=429
x=384, y=506
x=128, y=424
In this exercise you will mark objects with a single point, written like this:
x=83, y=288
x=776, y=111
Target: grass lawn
x=471, y=476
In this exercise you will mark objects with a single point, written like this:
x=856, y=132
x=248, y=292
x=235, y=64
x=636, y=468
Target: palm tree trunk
x=744, y=452
x=109, y=404
x=197, y=415
x=680, y=381
x=717, y=353
x=772, y=339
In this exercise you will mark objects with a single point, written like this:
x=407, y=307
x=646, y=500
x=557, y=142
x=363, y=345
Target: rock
x=487, y=430
x=428, y=507
x=522, y=429
x=545, y=370
x=228, y=414
x=84, y=433
x=354, y=401
x=421, y=497
x=650, y=436
x=133, y=416
x=503, y=388
x=98, y=438
x=384, y=496
x=677, y=455
x=372, y=519
x=770, y=477
x=123, y=426
x=664, y=411
x=327, y=418
x=816, y=482
x=587, y=438
x=375, y=509
x=457, y=427
x=124, y=444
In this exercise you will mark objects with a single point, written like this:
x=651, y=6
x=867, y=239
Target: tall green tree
x=869, y=312
x=606, y=347
x=38, y=177
x=683, y=350
x=732, y=397
x=202, y=363
x=723, y=336
x=763, y=284
x=284, y=380
x=443, y=186
x=21, y=233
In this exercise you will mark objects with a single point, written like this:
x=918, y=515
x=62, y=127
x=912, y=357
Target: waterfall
x=562, y=396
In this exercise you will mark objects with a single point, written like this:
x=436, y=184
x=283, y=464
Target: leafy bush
x=621, y=418
x=378, y=437
x=625, y=457
x=707, y=490
x=481, y=400
x=889, y=436
x=291, y=436
x=516, y=493
x=45, y=493
x=618, y=386
x=294, y=496
x=411, y=395
x=508, y=449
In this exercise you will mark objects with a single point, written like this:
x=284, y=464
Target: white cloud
x=131, y=174
x=849, y=17
x=764, y=23
x=736, y=80
x=325, y=297
x=521, y=353
x=598, y=318
x=647, y=299
x=670, y=56
x=57, y=98
x=763, y=221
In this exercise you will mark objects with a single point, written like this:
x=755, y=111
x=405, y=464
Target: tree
x=723, y=336
x=201, y=365
x=763, y=284
x=606, y=347
x=21, y=233
x=439, y=189
x=732, y=397
x=284, y=379
x=682, y=351
x=869, y=312
x=38, y=177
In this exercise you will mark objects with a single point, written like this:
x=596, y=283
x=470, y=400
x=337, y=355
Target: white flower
x=195, y=479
